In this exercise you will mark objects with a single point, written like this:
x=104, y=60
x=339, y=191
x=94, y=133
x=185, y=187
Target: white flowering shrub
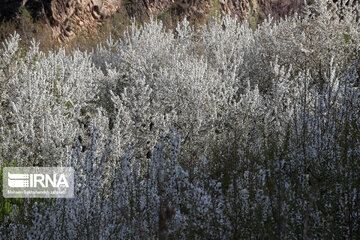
x=218, y=133
x=44, y=102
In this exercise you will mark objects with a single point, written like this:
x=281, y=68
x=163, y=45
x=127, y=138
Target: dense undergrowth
x=219, y=133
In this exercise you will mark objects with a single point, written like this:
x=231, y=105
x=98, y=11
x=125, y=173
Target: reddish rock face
x=67, y=17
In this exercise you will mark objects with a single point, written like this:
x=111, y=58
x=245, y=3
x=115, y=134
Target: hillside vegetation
x=83, y=24
x=218, y=132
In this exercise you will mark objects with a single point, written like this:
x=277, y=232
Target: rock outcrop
x=67, y=17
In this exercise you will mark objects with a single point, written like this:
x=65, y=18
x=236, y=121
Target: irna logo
x=38, y=182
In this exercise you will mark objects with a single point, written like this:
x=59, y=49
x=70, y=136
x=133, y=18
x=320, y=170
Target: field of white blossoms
x=220, y=133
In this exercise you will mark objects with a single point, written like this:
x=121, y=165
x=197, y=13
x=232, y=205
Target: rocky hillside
x=66, y=18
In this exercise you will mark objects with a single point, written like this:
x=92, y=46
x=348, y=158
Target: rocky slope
x=67, y=17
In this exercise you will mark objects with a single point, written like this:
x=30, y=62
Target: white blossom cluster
x=214, y=133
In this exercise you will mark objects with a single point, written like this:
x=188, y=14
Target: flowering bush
x=217, y=133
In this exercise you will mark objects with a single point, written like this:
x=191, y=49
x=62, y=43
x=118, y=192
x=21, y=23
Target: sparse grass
x=253, y=17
